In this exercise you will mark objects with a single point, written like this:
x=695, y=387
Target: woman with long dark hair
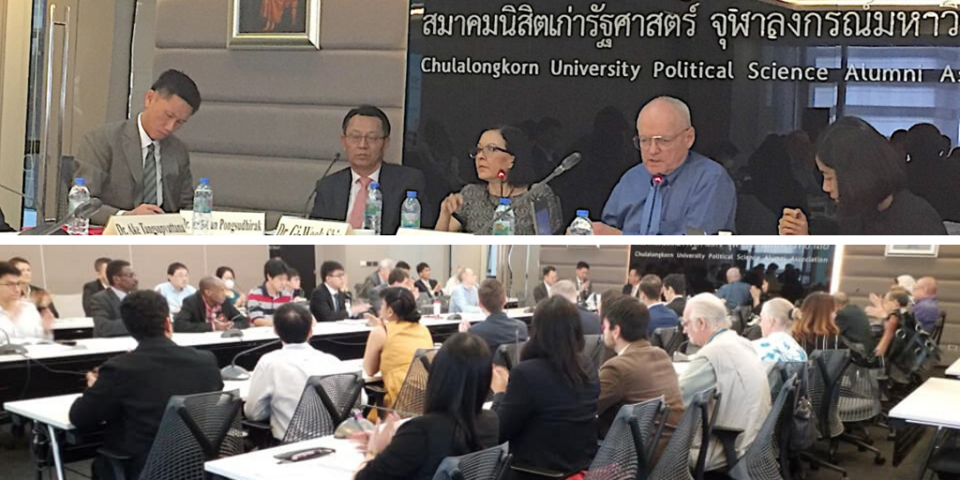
x=867, y=179
x=504, y=161
x=548, y=402
x=817, y=329
x=454, y=422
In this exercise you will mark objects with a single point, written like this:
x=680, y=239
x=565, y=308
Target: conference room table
x=954, y=370
x=933, y=404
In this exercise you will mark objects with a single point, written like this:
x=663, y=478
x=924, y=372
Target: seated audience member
x=342, y=196
x=403, y=266
x=454, y=422
x=42, y=300
x=505, y=165
x=97, y=285
x=177, y=286
x=727, y=362
x=464, y=298
x=674, y=188
x=264, y=300
x=294, y=287
x=639, y=372
x=589, y=321
x=19, y=318
x=864, y=175
x=105, y=306
x=26, y=279
x=425, y=284
x=127, y=397
x=377, y=281
x=632, y=287
x=542, y=290
x=736, y=293
x=675, y=292
x=498, y=328
x=660, y=316
x=453, y=281
x=853, y=323
x=926, y=309
x=607, y=299
x=281, y=375
x=816, y=329
x=157, y=179
x=234, y=296
x=208, y=310
x=758, y=290
x=583, y=281
x=777, y=344
x=328, y=302
x=392, y=345
x=896, y=314
x=548, y=403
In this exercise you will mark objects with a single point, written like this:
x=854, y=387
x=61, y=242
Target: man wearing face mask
x=675, y=188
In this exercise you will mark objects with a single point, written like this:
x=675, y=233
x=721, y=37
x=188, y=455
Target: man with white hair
x=376, y=279
x=674, y=189
x=589, y=320
x=727, y=362
x=777, y=344
x=466, y=297
x=736, y=293
x=926, y=309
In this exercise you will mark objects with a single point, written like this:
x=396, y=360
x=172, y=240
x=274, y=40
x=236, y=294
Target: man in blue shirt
x=736, y=293
x=674, y=189
x=465, y=298
x=926, y=309
x=661, y=316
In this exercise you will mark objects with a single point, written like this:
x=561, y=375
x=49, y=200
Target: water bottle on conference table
x=410, y=211
x=436, y=307
x=373, y=213
x=581, y=225
x=202, y=207
x=504, y=225
x=347, y=306
x=77, y=196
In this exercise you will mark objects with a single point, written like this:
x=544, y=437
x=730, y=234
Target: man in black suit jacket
x=208, y=310
x=328, y=302
x=365, y=137
x=542, y=290
x=97, y=285
x=675, y=292
x=425, y=284
x=105, y=306
x=130, y=392
x=498, y=328
x=632, y=287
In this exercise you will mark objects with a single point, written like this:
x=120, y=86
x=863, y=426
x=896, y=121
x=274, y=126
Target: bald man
x=926, y=309
x=736, y=293
x=208, y=311
x=674, y=190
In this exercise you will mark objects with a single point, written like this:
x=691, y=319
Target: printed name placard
x=418, y=231
x=231, y=223
x=294, y=226
x=129, y=225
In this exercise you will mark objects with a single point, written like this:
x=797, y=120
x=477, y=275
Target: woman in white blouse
x=19, y=318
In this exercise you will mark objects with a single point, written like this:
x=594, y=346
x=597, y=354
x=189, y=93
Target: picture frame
x=274, y=24
x=927, y=251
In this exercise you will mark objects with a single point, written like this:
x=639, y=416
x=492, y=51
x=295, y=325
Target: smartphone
x=302, y=455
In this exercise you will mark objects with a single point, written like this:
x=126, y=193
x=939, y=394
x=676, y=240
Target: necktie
x=652, y=209
x=150, y=177
x=360, y=203
x=336, y=303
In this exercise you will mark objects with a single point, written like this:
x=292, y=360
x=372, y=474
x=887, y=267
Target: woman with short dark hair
x=454, y=422
x=548, y=402
x=867, y=179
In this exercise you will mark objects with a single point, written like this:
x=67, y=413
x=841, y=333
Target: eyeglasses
x=644, y=142
x=489, y=150
x=9, y=284
x=371, y=139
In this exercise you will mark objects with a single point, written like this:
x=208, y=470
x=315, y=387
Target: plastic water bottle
x=347, y=306
x=373, y=213
x=78, y=195
x=436, y=307
x=202, y=207
x=581, y=225
x=410, y=211
x=504, y=226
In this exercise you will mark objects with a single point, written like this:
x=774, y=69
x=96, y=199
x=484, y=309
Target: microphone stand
x=234, y=372
x=313, y=194
x=10, y=348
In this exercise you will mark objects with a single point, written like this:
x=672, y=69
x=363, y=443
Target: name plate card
x=130, y=225
x=294, y=226
x=231, y=223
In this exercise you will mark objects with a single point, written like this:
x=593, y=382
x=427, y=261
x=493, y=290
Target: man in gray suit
x=137, y=166
x=105, y=306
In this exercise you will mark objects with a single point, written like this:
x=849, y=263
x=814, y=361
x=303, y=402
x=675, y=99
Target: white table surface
x=936, y=403
x=74, y=323
x=954, y=370
x=261, y=465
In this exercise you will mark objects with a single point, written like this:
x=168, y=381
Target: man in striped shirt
x=264, y=300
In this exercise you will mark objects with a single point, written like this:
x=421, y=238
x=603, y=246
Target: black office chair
x=508, y=355
x=860, y=400
x=630, y=443
x=674, y=463
x=490, y=464
x=326, y=401
x=798, y=408
x=412, y=399
x=937, y=331
x=760, y=462
x=826, y=371
x=195, y=429
x=669, y=339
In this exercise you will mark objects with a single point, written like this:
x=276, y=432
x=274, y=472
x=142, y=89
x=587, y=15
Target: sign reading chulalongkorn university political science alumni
x=762, y=79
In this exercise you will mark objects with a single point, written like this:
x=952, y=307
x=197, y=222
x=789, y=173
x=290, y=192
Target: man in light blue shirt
x=674, y=189
x=736, y=293
x=465, y=298
x=177, y=286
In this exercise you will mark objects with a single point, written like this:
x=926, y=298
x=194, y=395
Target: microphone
x=233, y=372
x=502, y=175
x=313, y=194
x=657, y=180
x=10, y=348
x=84, y=210
x=571, y=161
x=233, y=331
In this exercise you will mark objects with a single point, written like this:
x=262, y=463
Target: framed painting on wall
x=911, y=250
x=274, y=24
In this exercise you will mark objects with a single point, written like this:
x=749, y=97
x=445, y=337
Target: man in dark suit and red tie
x=343, y=195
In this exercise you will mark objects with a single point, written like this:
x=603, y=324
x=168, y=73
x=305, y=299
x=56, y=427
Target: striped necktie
x=150, y=177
